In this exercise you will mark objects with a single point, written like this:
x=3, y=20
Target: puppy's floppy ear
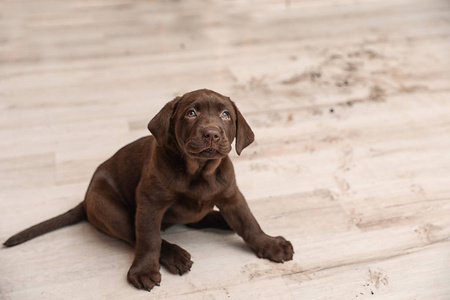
x=244, y=134
x=159, y=126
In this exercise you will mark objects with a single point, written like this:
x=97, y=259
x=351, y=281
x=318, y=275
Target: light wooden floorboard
x=350, y=104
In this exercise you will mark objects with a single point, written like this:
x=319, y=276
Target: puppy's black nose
x=211, y=134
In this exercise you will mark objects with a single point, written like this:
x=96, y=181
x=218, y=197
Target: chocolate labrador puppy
x=176, y=176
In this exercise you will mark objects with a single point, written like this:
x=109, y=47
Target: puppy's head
x=203, y=123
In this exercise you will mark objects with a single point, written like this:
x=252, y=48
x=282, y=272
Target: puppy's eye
x=225, y=115
x=191, y=113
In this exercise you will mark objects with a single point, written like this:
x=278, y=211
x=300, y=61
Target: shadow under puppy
x=175, y=176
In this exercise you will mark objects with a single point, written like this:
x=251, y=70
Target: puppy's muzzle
x=211, y=135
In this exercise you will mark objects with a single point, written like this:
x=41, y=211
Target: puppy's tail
x=71, y=217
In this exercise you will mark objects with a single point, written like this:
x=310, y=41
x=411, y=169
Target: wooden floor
x=350, y=104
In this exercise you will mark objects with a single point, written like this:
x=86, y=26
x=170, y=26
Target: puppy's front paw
x=276, y=249
x=143, y=278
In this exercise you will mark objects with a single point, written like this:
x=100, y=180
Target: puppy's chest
x=197, y=195
x=200, y=188
x=186, y=209
x=193, y=202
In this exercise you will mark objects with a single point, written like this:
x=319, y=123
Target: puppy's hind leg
x=174, y=258
x=106, y=212
x=214, y=219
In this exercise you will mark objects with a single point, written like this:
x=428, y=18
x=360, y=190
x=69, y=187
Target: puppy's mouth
x=207, y=153
x=198, y=148
x=210, y=152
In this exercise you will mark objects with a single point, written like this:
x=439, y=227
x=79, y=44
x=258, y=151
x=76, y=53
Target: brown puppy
x=176, y=176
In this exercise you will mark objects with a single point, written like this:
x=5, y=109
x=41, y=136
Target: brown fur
x=176, y=176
